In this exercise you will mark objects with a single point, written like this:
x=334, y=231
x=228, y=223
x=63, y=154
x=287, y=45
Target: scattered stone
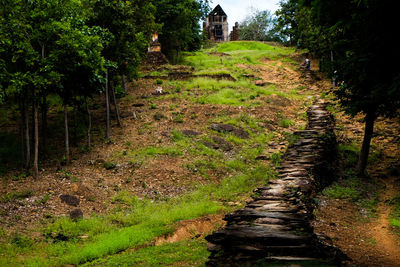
x=138, y=105
x=221, y=143
x=260, y=83
x=239, y=132
x=76, y=214
x=70, y=200
x=190, y=133
x=262, y=157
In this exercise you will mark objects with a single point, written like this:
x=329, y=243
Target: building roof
x=217, y=11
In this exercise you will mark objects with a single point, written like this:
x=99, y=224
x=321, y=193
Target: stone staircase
x=275, y=225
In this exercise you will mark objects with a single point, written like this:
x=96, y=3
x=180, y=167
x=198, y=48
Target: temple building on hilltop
x=216, y=25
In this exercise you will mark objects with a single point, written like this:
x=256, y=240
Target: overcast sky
x=238, y=9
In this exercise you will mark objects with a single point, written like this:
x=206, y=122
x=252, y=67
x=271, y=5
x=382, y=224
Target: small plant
x=276, y=158
x=109, y=165
x=179, y=118
x=158, y=82
x=342, y=192
x=125, y=197
x=285, y=123
x=44, y=199
x=153, y=106
x=16, y=196
x=22, y=241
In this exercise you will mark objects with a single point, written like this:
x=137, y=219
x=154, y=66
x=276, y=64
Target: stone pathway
x=275, y=224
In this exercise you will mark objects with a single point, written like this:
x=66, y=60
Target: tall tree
x=129, y=24
x=258, y=26
x=359, y=36
x=180, y=27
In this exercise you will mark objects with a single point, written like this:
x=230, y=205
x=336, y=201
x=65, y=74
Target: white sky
x=237, y=10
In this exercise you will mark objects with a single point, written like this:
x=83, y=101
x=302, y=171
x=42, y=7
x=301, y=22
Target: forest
x=108, y=158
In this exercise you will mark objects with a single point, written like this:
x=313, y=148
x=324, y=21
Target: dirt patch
x=368, y=241
x=190, y=229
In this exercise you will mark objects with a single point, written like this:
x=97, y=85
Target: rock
x=262, y=157
x=190, y=133
x=70, y=200
x=222, y=143
x=76, y=214
x=231, y=129
x=138, y=105
x=260, y=83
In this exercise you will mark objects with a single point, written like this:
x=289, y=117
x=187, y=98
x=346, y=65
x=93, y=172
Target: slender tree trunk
x=115, y=104
x=66, y=134
x=44, y=123
x=36, y=148
x=75, y=130
x=107, y=109
x=369, y=129
x=123, y=81
x=27, y=140
x=21, y=129
x=89, y=129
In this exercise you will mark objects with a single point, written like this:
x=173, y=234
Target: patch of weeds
x=44, y=199
x=108, y=165
x=21, y=241
x=16, y=196
x=342, y=192
x=158, y=81
x=349, y=154
x=276, y=158
x=19, y=177
x=186, y=253
x=159, y=116
x=285, y=123
x=203, y=167
x=177, y=136
x=371, y=241
x=125, y=197
x=179, y=118
x=395, y=215
x=152, y=106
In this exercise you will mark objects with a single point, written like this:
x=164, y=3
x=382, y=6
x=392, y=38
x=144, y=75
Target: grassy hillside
x=171, y=163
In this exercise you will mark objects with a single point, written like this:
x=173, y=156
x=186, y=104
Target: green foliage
x=258, y=26
x=125, y=197
x=16, y=196
x=108, y=165
x=343, y=192
x=188, y=253
x=180, y=28
x=395, y=215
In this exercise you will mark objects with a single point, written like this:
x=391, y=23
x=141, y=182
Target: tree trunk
x=89, y=129
x=123, y=80
x=369, y=129
x=66, y=134
x=107, y=109
x=44, y=124
x=75, y=130
x=27, y=141
x=36, y=148
x=22, y=134
x=115, y=104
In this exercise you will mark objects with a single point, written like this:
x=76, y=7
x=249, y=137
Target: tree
x=129, y=24
x=180, y=28
x=258, y=26
x=359, y=36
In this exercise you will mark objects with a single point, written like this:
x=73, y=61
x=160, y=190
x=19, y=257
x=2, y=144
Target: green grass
x=187, y=253
x=143, y=221
x=395, y=215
